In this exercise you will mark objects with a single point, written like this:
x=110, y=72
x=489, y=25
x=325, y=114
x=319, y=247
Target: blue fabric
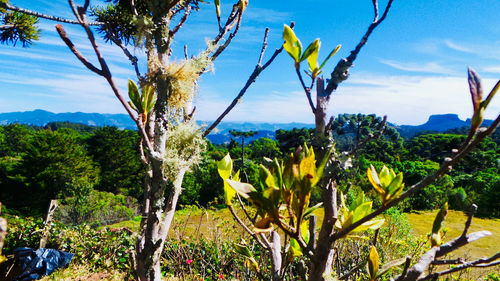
x=37, y=263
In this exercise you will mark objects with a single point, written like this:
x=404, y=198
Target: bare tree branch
x=444, y=168
x=256, y=72
x=181, y=22
x=483, y=262
x=340, y=73
x=105, y=72
x=306, y=90
x=429, y=258
x=245, y=227
x=222, y=47
x=133, y=59
x=72, y=47
x=43, y=16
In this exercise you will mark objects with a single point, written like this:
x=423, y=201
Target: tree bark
x=275, y=255
x=322, y=260
x=157, y=223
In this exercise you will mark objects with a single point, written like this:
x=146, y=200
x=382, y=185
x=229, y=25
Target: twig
x=133, y=59
x=306, y=90
x=72, y=47
x=245, y=227
x=181, y=22
x=252, y=220
x=483, y=262
x=104, y=71
x=352, y=271
x=340, y=73
x=264, y=46
x=445, y=167
x=43, y=16
x=222, y=47
x=472, y=211
x=256, y=72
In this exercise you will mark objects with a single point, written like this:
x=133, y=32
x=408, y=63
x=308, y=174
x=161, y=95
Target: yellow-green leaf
x=384, y=177
x=373, y=263
x=292, y=44
x=333, y=52
x=225, y=166
x=361, y=211
x=374, y=180
x=243, y=189
x=313, y=48
x=217, y=8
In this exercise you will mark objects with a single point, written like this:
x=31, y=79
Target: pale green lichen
x=183, y=148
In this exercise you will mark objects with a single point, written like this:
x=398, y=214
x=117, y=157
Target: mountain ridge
x=39, y=117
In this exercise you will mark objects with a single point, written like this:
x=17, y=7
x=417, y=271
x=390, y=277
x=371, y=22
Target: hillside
x=436, y=123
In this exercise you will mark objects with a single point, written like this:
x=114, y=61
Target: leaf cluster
x=18, y=27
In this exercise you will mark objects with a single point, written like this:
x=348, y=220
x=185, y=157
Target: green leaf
x=361, y=211
x=395, y=184
x=440, y=216
x=385, y=177
x=217, y=7
x=309, y=211
x=295, y=249
x=243, y=189
x=333, y=52
x=266, y=176
x=311, y=49
x=149, y=93
x=242, y=250
x=292, y=44
x=312, y=59
x=324, y=161
x=373, y=263
x=133, y=93
x=388, y=266
x=225, y=167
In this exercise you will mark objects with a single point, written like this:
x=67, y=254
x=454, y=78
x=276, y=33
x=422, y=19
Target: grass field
x=192, y=223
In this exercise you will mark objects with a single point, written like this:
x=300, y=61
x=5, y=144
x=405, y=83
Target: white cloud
x=457, y=47
x=405, y=99
x=428, y=67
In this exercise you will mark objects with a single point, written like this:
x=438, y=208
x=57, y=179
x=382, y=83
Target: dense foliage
x=65, y=160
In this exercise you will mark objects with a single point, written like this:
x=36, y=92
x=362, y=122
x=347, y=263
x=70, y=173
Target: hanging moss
x=183, y=148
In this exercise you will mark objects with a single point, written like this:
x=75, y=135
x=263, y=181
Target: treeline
x=77, y=163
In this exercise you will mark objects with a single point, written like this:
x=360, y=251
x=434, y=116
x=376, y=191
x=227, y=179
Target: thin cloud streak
x=429, y=67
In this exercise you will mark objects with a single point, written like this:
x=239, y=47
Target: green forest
x=71, y=162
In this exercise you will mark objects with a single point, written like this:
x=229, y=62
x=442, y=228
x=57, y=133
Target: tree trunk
x=322, y=260
x=275, y=256
x=156, y=223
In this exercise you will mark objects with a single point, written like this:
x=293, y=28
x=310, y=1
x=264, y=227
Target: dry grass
x=454, y=223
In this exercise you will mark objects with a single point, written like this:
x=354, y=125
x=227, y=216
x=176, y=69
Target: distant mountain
x=436, y=123
x=40, y=117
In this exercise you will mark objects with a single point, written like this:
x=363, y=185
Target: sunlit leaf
x=243, y=189
x=361, y=211
x=242, y=250
x=333, y=52
x=384, y=177
x=373, y=263
x=225, y=166
x=313, y=48
x=292, y=44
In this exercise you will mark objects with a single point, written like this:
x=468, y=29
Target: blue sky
x=414, y=65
